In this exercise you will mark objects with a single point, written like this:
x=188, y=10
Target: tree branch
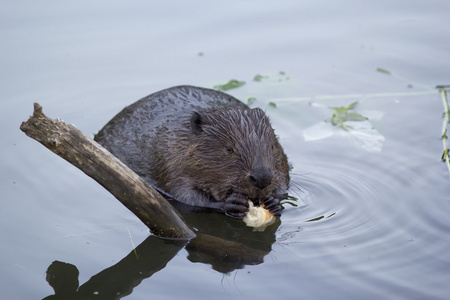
x=131, y=190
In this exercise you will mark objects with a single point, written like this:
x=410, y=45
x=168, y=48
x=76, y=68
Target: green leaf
x=352, y=115
x=273, y=104
x=232, y=84
x=381, y=70
x=344, y=114
x=316, y=219
x=445, y=154
x=259, y=77
x=251, y=100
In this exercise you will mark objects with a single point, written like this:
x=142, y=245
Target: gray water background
x=385, y=226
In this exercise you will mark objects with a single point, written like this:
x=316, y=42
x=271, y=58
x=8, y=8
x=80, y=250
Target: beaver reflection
x=224, y=243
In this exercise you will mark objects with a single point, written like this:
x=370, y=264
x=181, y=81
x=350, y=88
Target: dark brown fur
x=203, y=148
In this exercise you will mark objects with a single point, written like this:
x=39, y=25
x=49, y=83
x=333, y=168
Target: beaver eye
x=229, y=149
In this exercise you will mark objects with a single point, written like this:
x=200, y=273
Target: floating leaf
x=276, y=77
x=357, y=128
x=251, y=100
x=232, y=84
x=381, y=70
x=273, y=104
x=320, y=218
x=259, y=78
x=344, y=114
x=316, y=219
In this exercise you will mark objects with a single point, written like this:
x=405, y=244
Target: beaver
x=201, y=147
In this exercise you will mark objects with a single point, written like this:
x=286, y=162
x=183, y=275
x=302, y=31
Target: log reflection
x=224, y=243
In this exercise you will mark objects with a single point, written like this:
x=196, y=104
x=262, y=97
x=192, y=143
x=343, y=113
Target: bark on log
x=131, y=190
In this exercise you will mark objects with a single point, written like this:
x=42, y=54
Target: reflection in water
x=63, y=278
x=232, y=245
x=117, y=281
x=224, y=243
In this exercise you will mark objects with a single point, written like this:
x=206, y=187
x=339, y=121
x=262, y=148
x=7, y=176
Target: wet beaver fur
x=201, y=147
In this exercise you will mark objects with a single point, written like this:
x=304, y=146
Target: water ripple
x=372, y=220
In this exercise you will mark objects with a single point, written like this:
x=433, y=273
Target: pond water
x=371, y=215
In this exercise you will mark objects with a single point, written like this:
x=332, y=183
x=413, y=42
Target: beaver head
x=228, y=151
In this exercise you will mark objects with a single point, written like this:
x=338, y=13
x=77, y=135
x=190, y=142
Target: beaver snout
x=261, y=177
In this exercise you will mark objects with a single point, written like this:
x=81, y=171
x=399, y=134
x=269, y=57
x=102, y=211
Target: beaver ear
x=196, y=123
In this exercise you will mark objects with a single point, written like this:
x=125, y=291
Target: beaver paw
x=236, y=206
x=272, y=204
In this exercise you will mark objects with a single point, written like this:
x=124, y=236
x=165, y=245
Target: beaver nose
x=261, y=177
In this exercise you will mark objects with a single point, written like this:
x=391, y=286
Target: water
x=372, y=211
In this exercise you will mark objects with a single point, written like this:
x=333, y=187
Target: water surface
x=372, y=212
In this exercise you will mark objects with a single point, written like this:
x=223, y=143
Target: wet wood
x=131, y=190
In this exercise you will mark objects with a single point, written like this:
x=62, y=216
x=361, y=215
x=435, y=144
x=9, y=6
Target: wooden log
x=129, y=188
